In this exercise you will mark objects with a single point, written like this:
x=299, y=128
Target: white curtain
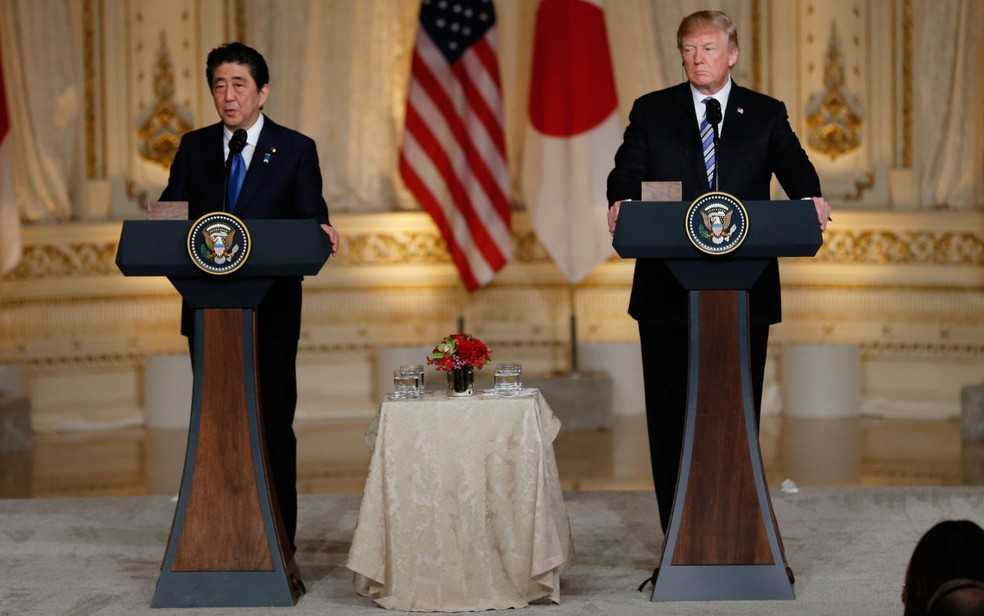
x=947, y=87
x=43, y=75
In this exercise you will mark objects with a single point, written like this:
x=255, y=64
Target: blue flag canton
x=455, y=25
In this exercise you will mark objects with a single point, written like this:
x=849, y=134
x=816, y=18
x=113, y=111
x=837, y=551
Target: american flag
x=453, y=157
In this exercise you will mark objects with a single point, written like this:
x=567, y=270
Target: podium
x=723, y=542
x=227, y=546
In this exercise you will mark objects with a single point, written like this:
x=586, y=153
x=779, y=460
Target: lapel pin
x=741, y=111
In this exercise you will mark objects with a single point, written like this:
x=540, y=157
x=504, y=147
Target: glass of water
x=418, y=369
x=404, y=384
x=508, y=379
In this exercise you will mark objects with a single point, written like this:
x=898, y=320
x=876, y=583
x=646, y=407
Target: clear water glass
x=508, y=379
x=405, y=384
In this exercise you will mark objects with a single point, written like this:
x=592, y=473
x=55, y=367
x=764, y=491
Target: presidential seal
x=218, y=243
x=717, y=223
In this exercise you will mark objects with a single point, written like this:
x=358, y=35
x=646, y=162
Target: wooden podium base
x=227, y=542
x=723, y=542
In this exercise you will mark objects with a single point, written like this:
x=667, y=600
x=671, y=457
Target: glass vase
x=461, y=381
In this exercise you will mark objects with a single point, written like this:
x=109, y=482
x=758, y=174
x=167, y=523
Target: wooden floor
x=333, y=457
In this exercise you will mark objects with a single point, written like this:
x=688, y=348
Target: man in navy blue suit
x=663, y=143
x=283, y=180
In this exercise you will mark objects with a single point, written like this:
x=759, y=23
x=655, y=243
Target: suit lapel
x=259, y=166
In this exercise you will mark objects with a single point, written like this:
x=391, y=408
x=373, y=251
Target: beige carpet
x=849, y=549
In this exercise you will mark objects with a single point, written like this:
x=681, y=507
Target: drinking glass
x=508, y=379
x=404, y=384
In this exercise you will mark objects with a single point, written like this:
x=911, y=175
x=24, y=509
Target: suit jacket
x=662, y=143
x=283, y=181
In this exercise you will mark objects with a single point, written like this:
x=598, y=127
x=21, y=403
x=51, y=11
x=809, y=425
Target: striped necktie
x=707, y=139
x=236, y=176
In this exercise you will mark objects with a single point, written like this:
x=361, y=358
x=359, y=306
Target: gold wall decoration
x=902, y=248
x=833, y=126
x=160, y=133
x=69, y=259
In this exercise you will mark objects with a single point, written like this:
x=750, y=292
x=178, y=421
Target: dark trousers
x=665, y=355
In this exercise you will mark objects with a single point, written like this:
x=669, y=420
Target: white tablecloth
x=462, y=508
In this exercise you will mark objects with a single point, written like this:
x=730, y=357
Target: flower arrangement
x=459, y=351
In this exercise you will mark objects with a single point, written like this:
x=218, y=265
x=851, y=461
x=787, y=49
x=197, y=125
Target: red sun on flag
x=562, y=27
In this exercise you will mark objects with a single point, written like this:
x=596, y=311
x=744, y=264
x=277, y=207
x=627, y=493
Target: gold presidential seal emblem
x=218, y=243
x=717, y=223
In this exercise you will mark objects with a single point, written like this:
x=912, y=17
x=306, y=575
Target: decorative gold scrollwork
x=160, y=133
x=834, y=127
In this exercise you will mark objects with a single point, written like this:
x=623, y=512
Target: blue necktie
x=236, y=176
x=707, y=139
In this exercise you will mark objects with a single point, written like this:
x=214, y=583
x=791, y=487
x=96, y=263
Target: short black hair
x=237, y=53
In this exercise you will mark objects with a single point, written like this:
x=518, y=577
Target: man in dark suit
x=663, y=143
x=283, y=180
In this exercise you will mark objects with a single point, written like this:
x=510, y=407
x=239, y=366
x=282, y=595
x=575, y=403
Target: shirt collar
x=252, y=135
x=721, y=96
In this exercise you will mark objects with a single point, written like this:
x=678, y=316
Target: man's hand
x=333, y=236
x=613, y=216
x=823, y=211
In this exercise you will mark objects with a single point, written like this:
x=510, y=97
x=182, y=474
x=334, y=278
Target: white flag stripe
x=572, y=173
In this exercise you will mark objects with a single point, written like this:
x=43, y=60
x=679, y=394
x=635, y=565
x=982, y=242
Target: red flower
x=459, y=350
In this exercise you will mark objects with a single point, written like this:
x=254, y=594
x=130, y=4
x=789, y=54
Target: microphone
x=714, y=117
x=236, y=145
x=238, y=140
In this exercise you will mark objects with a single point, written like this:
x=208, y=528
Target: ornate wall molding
x=915, y=247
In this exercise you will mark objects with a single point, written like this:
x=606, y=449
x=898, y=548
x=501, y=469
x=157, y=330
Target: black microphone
x=714, y=117
x=236, y=145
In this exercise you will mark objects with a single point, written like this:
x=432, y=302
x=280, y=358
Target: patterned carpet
x=848, y=547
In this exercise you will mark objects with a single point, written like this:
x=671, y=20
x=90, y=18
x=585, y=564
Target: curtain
x=947, y=87
x=43, y=73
